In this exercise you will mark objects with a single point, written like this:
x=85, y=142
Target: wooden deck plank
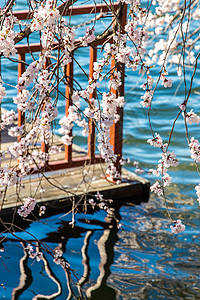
x=73, y=182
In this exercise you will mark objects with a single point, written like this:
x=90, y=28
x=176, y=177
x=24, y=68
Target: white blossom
x=156, y=188
x=191, y=117
x=28, y=207
x=156, y=141
x=178, y=227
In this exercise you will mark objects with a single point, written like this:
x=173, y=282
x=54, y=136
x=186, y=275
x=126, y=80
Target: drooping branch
x=108, y=33
x=27, y=31
x=6, y=8
x=22, y=35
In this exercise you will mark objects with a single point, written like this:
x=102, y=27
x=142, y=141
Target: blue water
x=142, y=259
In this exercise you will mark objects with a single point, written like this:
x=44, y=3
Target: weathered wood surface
x=76, y=182
x=62, y=186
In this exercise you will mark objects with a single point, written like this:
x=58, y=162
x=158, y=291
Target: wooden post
x=116, y=130
x=45, y=147
x=21, y=70
x=68, y=97
x=91, y=134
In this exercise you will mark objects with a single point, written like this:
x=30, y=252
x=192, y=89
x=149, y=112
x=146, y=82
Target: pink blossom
x=42, y=210
x=8, y=177
x=178, y=227
x=191, y=117
x=7, y=35
x=156, y=141
x=139, y=171
x=169, y=159
x=194, y=149
x=149, y=83
x=58, y=256
x=197, y=188
x=166, y=82
x=38, y=255
x=88, y=38
x=28, y=207
x=182, y=106
x=147, y=98
x=99, y=196
x=166, y=180
x=92, y=203
x=156, y=172
x=2, y=92
x=8, y=118
x=156, y=188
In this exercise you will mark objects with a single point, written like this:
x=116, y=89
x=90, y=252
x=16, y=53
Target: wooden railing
x=116, y=129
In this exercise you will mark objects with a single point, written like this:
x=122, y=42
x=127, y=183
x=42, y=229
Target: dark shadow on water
x=87, y=285
x=106, y=250
x=141, y=261
x=104, y=292
x=26, y=277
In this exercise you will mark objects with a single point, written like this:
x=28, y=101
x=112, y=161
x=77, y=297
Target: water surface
x=142, y=259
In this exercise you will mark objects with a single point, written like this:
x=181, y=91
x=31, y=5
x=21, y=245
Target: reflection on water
x=141, y=260
x=88, y=247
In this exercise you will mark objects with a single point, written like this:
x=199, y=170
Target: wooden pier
x=74, y=172
x=58, y=187
x=75, y=182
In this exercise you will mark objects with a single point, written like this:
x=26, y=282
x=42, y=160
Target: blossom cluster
x=7, y=35
x=74, y=115
x=168, y=160
x=191, y=117
x=8, y=177
x=27, y=207
x=43, y=83
x=197, y=188
x=177, y=227
x=88, y=38
x=58, y=256
x=2, y=92
x=7, y=118
x=156, y=141
x=45, y=15
x=101, y=203
x=37, y=254
x=19, y=150
x=68, y=35
x=48, y=115
x=23, y=102
x=147, y=98
x=168, y=38
x=59, y=259
x=165, y=82
x=30, y=74
x=108, y=117
x=194, y=149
